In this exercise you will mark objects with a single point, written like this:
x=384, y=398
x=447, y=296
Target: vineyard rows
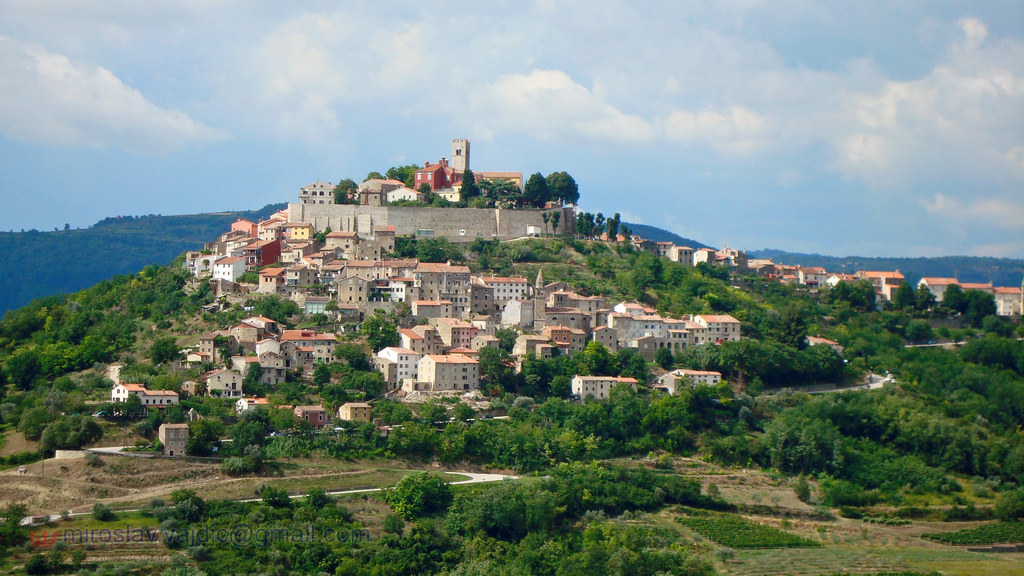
x=998, y=533
x=736, y=532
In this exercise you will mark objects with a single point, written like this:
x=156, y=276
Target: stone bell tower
x=460, y=155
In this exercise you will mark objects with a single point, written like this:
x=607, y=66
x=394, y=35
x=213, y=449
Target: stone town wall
x=452, y=223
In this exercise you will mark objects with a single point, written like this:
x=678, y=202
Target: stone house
x=315, y=415
x=447, y=373
x=598, y=386
x=174, y=437
x=355, y=412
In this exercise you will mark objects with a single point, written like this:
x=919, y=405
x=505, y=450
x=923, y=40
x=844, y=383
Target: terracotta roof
x=161, y=393
x=879, y=274
x=410, y=333
x=503, y=279
x=1006, y=290
x=256, y=401
x=719, y=318
x=606, y=378
x=939, y=281
x=451, y=359
x=305, y=335
x=685, y=372
x=441, y=267
x=398, y=349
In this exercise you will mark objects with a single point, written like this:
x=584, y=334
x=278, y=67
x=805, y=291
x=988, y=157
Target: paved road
x=474, y=478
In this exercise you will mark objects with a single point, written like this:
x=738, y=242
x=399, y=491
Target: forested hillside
x=64, y=261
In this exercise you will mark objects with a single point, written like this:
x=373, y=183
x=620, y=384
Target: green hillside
x=604, y=483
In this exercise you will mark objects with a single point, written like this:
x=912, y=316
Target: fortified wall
x=455, y=224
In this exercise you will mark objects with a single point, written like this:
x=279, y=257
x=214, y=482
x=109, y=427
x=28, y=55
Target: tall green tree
x=346, y=192
x=979, y=306
x=953, y=299
x=497, y=369
x=500, y=192
x=612, y=226
x=164, y=349
x=563, y=187
x=469, y=189
x=536, y=191
x=924, y=300
x=379, y=331
x=406, y=174
x=904, y=296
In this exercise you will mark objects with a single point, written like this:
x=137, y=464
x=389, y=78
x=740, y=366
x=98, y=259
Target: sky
x=870, y=128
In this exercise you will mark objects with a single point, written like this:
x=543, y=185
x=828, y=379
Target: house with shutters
x=148, y=398
x=599, y=387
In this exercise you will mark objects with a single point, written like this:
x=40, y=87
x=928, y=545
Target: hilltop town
x=337, y=261
x=347, y=357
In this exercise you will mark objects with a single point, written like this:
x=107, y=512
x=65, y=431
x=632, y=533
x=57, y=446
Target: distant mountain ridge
x=66, y=261
x=660, y=235
x=999, y=271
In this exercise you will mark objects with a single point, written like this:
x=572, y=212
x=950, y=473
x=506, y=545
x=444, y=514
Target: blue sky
x=843, y=128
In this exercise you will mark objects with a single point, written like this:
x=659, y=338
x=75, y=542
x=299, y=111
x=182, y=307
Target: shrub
x=419, y=494
x=102, y=513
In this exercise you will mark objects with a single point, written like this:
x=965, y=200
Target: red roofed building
x=315, y=415
x=937, y=286
x=1008, y=300
x=885, y=282
x=250, y=228
x=447, y=373
x=720, y=327
x=437, y=176
x=148, y=398
x=598, y=386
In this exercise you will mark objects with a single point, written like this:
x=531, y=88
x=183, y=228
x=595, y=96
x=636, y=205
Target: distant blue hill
x=660, y=235
x=66, y=261
x=999, y=271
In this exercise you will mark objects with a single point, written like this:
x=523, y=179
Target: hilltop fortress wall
x=451, y=223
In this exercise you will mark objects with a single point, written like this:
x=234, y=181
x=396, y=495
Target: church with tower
x=446, y=176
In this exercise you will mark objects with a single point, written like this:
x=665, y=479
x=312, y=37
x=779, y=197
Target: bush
x=102, y=513
x=802, y=489
x=419, y=494
x=1010, y=505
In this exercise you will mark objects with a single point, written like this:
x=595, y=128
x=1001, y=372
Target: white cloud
x=738, y=131
x=1016, y=157
x=551, y=105
x=975, y=32
x=48, y=99
x=999, y=212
